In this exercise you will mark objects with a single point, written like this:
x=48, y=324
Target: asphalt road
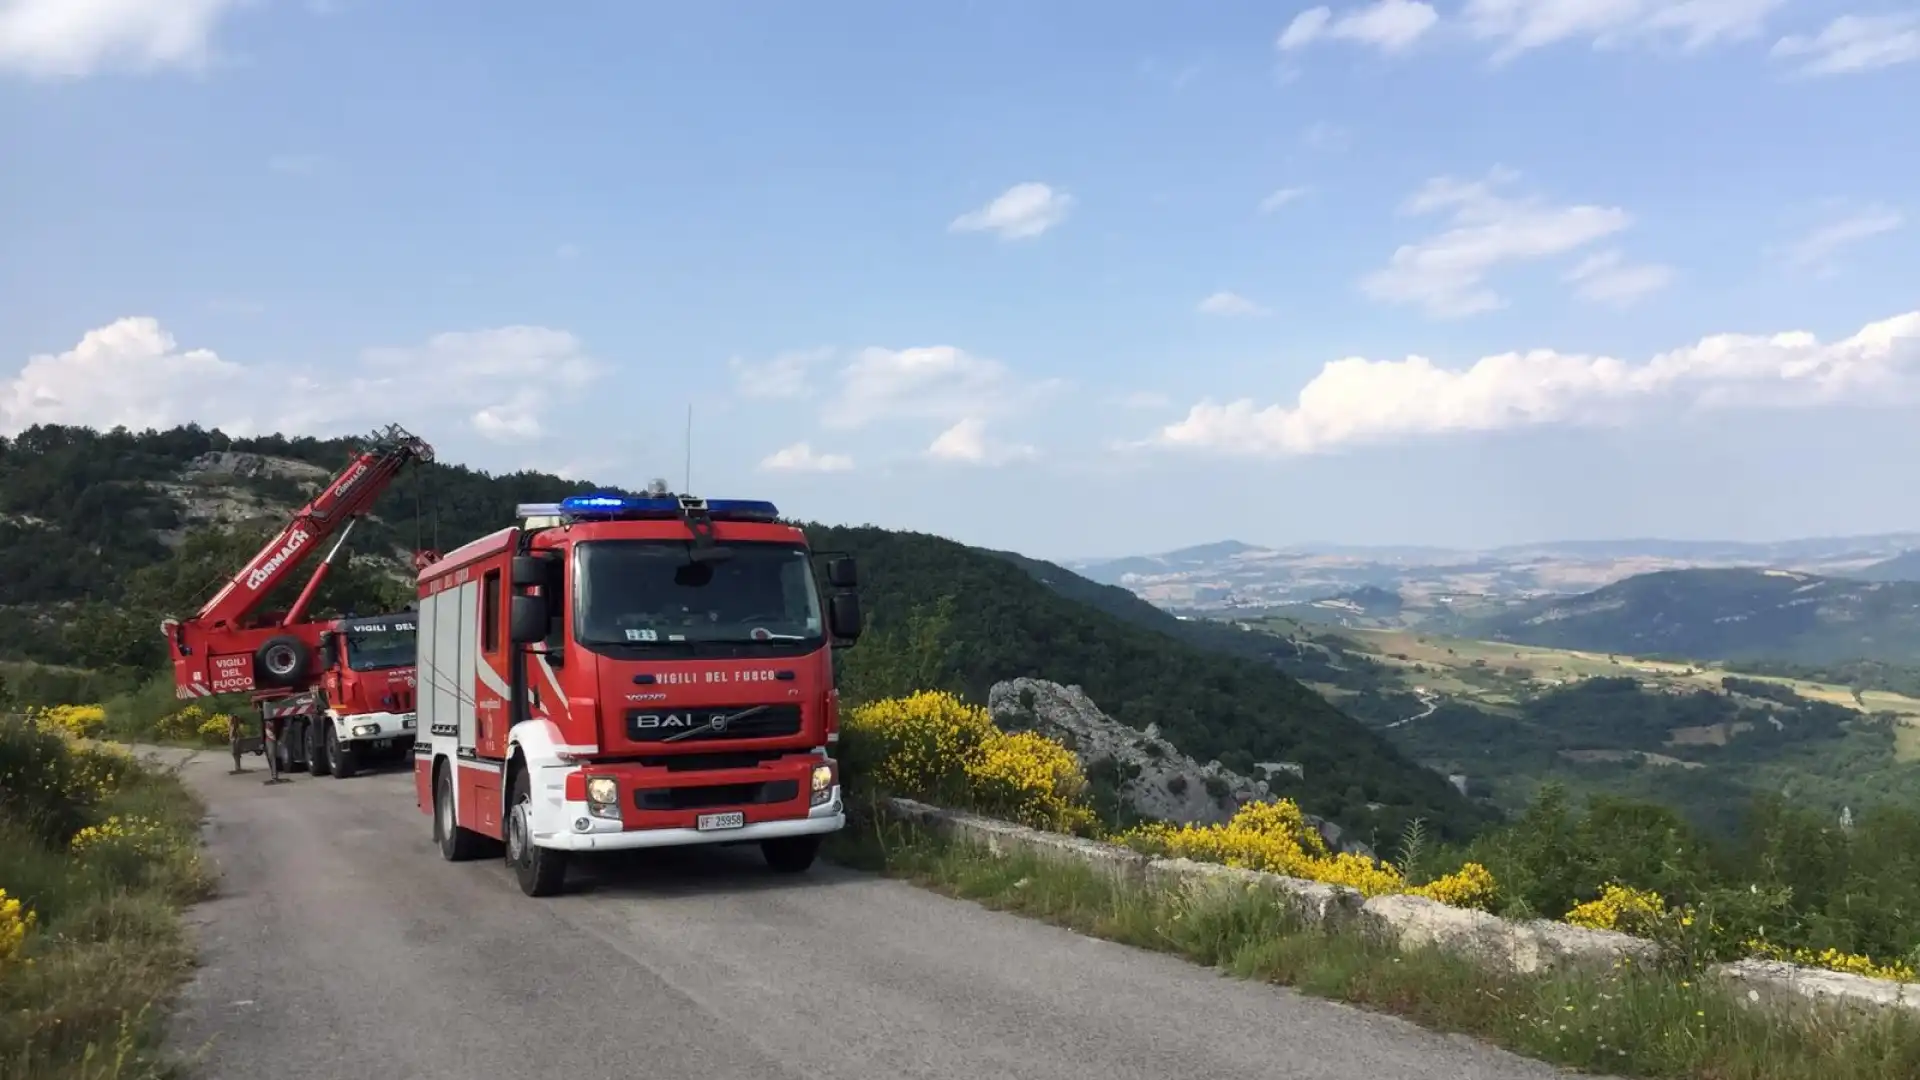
x=341, y=946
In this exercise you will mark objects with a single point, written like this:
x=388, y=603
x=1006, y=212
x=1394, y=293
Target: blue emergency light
x=608, y=507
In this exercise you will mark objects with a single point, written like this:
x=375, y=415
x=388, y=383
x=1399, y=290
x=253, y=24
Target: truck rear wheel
x=790, y=854
x=539, y=871
x=456, y=844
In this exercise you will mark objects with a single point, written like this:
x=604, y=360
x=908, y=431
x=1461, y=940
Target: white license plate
x=709, y=822
x=382, y=744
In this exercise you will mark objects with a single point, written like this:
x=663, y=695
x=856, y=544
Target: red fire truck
x=341, y=689
x=620, y=672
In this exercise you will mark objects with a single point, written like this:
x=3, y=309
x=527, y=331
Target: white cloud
x=801, y=457
x=787, y=375
x=499, y=382
x=966, y=443
x=937, y=382
x=1280, y=198
x=1856, y=43
x=1356, y=401
x=1226, y=303
x=1817, y=250
x=1521, y=25
x=1388, y=25
x=1446, y=273
x=1022, y=211
x=71, y=39
x=1608, y=278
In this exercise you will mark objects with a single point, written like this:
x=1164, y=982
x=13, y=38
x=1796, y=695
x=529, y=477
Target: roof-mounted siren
x=604, y=507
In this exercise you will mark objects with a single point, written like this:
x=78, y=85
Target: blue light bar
x=669, y=506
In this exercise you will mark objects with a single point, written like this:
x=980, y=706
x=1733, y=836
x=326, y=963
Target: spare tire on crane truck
x=282, y=661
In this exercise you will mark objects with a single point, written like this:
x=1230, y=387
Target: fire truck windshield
x=380, y=646
x=648, y=593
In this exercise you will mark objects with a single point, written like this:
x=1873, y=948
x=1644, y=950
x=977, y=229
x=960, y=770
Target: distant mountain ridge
x=1725, y=614
x=1236, y=576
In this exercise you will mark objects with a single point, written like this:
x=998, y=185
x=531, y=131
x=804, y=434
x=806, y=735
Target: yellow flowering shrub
x=73, y=721
x=1622, y=908
x=1277, y=838
x=1471, y=886
x=1029, y=778
x=934, y=746
x=15, y=921
x=916, y=746
x=214, y=728
x=1834, y=960
x=132, y=833
x=98, y=770
x=184, y=724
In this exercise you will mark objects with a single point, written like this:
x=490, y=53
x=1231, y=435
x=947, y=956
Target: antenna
x=689, y=484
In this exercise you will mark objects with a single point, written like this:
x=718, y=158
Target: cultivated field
x=1491, y=673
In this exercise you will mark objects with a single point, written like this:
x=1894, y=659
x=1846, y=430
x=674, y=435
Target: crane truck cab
x=618, y=672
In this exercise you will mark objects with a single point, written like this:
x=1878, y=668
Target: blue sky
x=1072, y=278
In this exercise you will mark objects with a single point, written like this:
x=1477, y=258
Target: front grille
x=659, y=725
x=711, y=760
x=711, y=795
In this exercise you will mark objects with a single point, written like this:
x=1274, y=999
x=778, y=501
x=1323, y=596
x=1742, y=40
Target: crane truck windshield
x=375, y=645
x=649, y=593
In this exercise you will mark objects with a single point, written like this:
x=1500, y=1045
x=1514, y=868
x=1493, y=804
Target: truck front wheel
x=790, y=854
x=539, y=871
x=342, y=756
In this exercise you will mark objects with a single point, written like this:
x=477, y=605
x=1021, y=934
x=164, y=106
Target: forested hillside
x=106, y=532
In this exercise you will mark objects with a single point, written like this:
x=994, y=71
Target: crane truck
x=617, y=671
x=343, y=689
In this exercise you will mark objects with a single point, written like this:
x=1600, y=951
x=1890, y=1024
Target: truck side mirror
x=529, y=570
x=842, y=573
x=527, y=619
x=843, y=615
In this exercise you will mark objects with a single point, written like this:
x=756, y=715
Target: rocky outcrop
x=1152, y=774
x=1155, y=778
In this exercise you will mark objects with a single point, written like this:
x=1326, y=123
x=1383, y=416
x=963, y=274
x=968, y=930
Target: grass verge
x=83, y=996
x=1627, y=1022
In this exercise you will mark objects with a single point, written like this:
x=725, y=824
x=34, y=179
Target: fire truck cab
x=368, y=689
x=620, y=672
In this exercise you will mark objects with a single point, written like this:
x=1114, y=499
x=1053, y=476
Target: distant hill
x=1902, y=567
x=105, y=530
x=1725, y=614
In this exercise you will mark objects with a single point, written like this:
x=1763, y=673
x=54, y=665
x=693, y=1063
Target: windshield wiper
x=718, y=723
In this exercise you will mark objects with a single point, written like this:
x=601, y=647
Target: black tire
x=345, y=762
x=456, y=844
x=281, y=660
x=539, y=871
x=319, y=761
x=791, y=854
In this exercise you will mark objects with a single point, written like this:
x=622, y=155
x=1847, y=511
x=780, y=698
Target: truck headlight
x=362, y=730
x=823, y=783
x=603, y=797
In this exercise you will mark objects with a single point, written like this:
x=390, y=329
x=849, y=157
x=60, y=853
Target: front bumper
x=601, y=834
x=393, y=729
